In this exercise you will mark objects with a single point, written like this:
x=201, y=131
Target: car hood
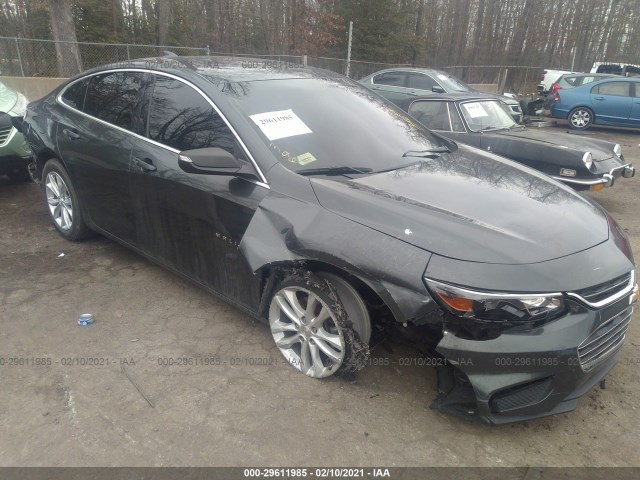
x=471, y=206
x=8, y=98
x=600, y=150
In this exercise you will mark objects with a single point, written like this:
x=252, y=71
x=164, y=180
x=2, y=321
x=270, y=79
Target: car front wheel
x=313, y=328
x=62, y=202
x=580, y=118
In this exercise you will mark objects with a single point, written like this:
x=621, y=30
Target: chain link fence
x=21, y=57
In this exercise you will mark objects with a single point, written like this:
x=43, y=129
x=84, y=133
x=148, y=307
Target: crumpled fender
x=286, y=230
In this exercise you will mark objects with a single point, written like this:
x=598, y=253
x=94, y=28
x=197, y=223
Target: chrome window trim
x=262, y=183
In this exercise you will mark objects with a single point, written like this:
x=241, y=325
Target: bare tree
x=64, y=33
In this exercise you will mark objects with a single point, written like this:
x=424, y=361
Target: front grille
x=605, y=290
x=604, y=341
x=4, y=134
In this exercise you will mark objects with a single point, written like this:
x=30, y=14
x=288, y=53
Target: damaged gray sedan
x=323, y=210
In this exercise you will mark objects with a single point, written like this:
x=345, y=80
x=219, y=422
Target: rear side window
x=620, y=89
x=114, y=97
x=181, y=118
x=394, y=79
x=74, y=95
x=421, y=81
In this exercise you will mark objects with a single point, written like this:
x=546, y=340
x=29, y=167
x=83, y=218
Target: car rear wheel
x=580, y=118
x=62, y=202
x=317, y=325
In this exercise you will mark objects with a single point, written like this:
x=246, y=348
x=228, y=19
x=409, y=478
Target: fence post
x=19, y=56
x=304, y=61
x=128, y=56
x=208, y=52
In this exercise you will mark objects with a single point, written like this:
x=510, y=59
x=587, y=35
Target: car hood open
x=560, y=139
x=470, y=205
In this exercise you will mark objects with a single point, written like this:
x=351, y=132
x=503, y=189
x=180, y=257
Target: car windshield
x=486, y=115
x=331, y=125
x=452, y=84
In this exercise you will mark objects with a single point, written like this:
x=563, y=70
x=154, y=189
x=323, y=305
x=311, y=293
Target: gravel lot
x=55, y=411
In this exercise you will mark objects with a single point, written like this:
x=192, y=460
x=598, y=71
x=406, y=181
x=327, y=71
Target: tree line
x=419, y=32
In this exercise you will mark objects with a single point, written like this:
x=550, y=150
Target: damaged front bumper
x=522, y=375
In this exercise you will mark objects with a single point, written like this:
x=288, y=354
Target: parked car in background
x=612, y=101
x=623, y=69
x=548, y=78
x=582, y=162
x=572, y=80
x=398, y=84
x=15, y=155
x=321, y=209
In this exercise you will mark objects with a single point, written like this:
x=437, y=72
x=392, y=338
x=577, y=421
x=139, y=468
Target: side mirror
x=209, y=161
x=437, y=89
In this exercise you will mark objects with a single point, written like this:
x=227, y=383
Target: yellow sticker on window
x=304, y=159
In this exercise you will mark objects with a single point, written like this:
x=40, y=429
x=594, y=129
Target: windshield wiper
x=333, y=171
x=432, y=153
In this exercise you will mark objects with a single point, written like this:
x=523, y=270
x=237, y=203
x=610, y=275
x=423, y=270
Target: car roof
x=454, y=97
x=409, y=69
x=603, y=75
x=228, y=68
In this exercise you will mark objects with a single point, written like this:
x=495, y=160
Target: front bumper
x=14, y=151
x=606, y=180
x=522, y=375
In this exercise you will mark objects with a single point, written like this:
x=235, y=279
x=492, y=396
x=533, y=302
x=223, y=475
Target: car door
x=193, y=222
x=94, y=140
x=392, y=85
x=442, y=116
x=611, y=101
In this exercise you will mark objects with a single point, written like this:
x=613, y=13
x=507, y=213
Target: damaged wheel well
x=381, y=315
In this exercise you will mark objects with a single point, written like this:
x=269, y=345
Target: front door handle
x=71, y=134
x=145, y=164
x=600, y=99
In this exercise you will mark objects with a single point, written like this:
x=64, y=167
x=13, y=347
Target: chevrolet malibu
x=321, y=209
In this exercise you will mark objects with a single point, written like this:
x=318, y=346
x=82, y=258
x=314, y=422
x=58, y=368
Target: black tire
x=309, y=351
x=72, y=227
x=19, y=176
x=580, y=118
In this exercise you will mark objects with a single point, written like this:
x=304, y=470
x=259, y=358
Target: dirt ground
x=66, y=400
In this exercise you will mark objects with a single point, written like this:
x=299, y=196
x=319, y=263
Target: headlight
x=20, y=107
x=617, y=149
x=588, y=160
x=497, y=307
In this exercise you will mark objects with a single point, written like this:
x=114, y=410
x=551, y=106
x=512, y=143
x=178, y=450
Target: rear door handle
x=71, y=134
x=600, y=99
x=145, y=164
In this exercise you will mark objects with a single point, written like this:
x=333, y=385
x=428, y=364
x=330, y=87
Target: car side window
x=421, y=81
x=393, y=79
x=456, y=120
x=114, y=97
x=620, y=89
x=433, y=115
x=74, y=95
x=181, y=118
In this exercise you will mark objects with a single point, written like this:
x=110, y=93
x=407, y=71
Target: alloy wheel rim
x=59, y=201
x=306, y=332
x=580, y=118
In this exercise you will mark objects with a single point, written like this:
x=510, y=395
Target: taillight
x=542, y=76
x=555, y=87
x=557, y=97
